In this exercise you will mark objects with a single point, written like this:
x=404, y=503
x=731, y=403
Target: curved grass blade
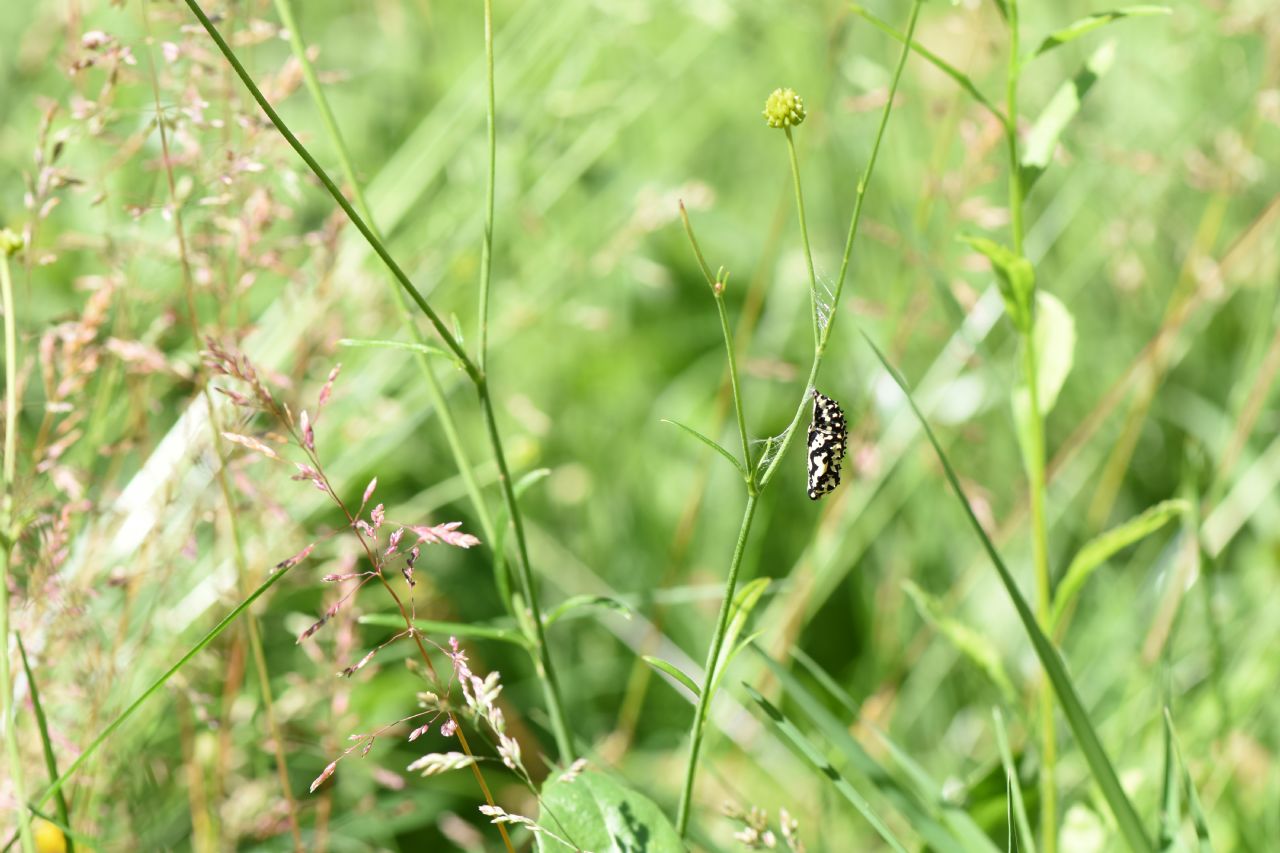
x=814, y=756
x=1104, y=546
x=1100, y=766
x=675, y=672
x=743, y=603
x=1196, y=811
x=709, y=443
x=960, y=78
x=1088, y=24
x=458, y=629
x=966, y=640
x=577, y=601
x=424, y=348
x=42, y=724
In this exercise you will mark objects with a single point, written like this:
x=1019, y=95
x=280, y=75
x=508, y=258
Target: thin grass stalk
x=46, y=744
x=760, y=479
x=8, y=539
x=550, y=689
x=717, y=285
x=804, y=239
x=486, y=247
x=224, y=486
x=713, y=654
x=1035, y=452
x=434, y=390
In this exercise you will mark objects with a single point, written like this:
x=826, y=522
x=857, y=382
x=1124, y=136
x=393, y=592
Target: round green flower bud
x=10, y=242
x=784, y=108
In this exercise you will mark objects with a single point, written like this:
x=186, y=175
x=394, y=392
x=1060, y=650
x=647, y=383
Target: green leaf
x=479, y=631
x=945, y=828
x=1198, y=819
x=425, y=349
x=1026, y=839
x=932, y=58
x=1127, y=820
x=743, y=603
x=709, y=443
x=1104, y=546
x=814, y=756
x=1090, y=23
x=1042, y=139
x=1055, y=343
x=594, y=812
x=967, y=641
x=1015, y=276
x=577, y=601
x=673, y=671
x=42, y=725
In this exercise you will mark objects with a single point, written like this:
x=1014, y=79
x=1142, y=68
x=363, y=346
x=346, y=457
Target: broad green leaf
x=1104, y=546
x=814, y=756
x=1103, y=772
x=743, y=603
x=594, y=812
x=675, y=672
x=576, y=601
x=709, y=443
x=1026, y=839
x=477, y=630
x=1015, y=276
x=1042, y=139
x=1090, y=23
x=967, y=641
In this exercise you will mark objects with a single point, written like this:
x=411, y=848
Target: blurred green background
x=1156, y=225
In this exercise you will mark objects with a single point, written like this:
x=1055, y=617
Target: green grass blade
x=943, y=828
x=578, y=601
x=1072, y=708
x=56, y=786
x=459, y=629
x=1088, y=24
x=709, y=443
x=966, y=640
x=1104, y=546
x=961, y=79
x=811, y=754
x=1198, y=819
x=675, y=672
x=1026, y=839
x=423, y=348
x=42, y=725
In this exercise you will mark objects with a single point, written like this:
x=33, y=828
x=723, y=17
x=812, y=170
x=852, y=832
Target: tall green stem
x=757, y=480
x=8, y=535
x=1035, y=453
x=474, y=373
x=713, y=654
x=486, y=248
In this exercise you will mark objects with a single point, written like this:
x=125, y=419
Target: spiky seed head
x=784, y=108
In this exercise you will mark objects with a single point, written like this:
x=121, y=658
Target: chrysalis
x=828, y=437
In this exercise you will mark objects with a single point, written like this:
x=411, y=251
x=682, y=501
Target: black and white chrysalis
x=828, y=437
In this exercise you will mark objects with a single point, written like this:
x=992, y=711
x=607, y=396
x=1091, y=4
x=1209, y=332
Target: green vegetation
x=343, y=345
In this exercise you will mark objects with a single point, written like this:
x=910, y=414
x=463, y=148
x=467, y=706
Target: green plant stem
x=434, y=390
x=8, y=539
x=804, y=238
x=50, y=760
x=379, y=249
x=854, y=220
x=544, y=664
x=713, y=654
x=542, y=656
x=1035, y=453
x=717, y=286
x=486, y=247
